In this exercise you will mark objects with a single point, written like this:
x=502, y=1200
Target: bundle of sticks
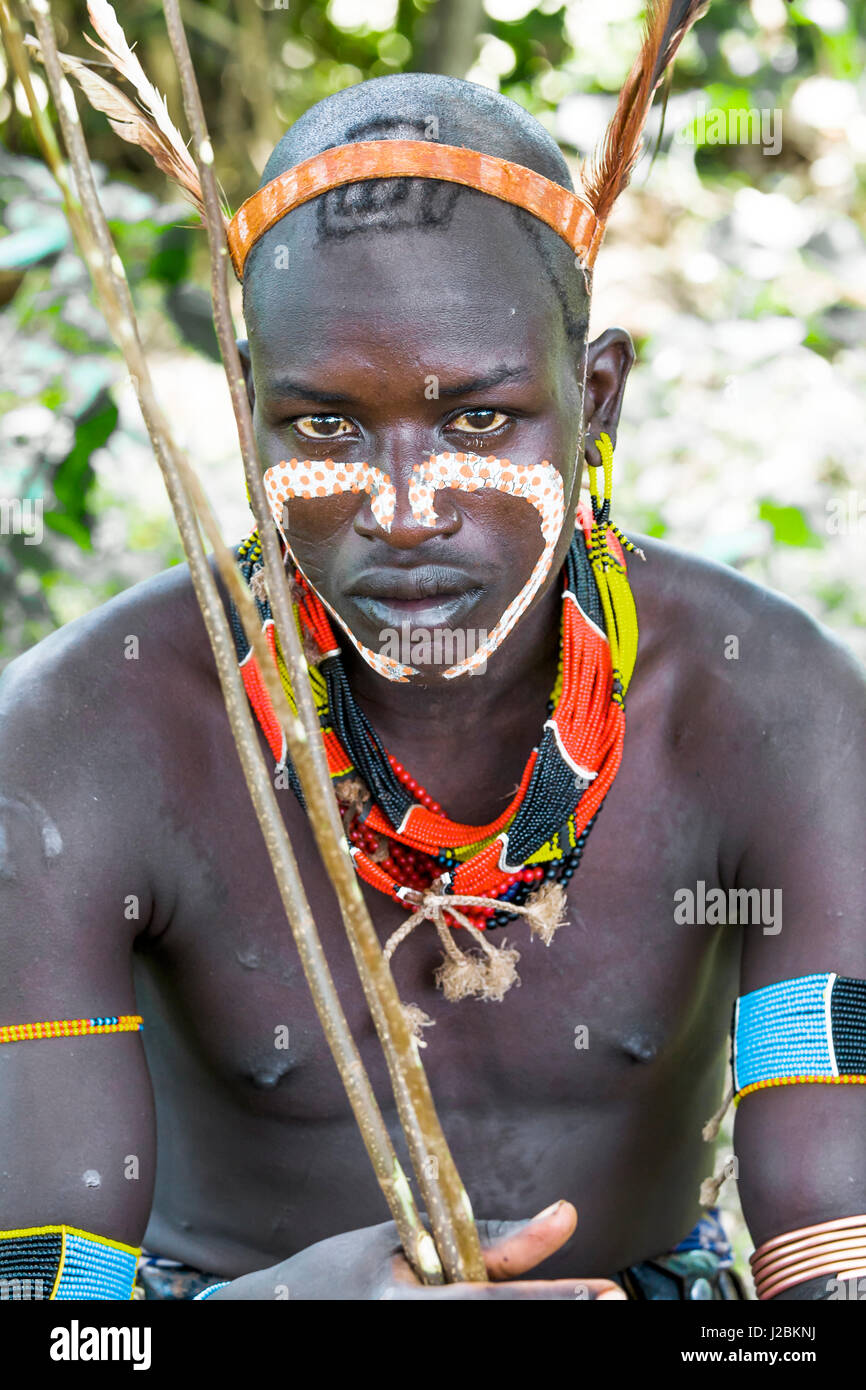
x=450, y=1249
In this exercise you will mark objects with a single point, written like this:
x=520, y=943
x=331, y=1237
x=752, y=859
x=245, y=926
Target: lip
x=427, y=596
x=423, y=582
x=447, y=611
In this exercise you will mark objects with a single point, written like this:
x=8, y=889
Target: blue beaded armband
x=61, y=1262
x=810, y=1029
x=206, y=1293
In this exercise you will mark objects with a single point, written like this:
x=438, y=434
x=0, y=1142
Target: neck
x=516, y=685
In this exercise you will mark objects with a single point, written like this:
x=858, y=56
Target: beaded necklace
x=401, y=840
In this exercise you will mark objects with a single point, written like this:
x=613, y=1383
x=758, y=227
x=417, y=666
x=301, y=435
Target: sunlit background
x=737, y=262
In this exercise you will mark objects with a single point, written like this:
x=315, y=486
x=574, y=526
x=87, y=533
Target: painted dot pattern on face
x=312, y=478
x=324, y=478
x=538, y=484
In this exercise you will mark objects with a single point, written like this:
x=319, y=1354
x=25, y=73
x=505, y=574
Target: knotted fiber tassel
x=311, y=651
x=258, y=586
x=711, y=1129
x=460, y=976
x=474, y=976
x=500, y=968
x=545, y=911
x=417, y=1020
x=490, y=972
x=352, y=795
x=487, y=974
x=711, y=1187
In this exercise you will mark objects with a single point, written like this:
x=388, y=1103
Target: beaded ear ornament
x=478, y=878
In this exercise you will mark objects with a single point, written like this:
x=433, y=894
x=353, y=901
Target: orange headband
x=570, y=217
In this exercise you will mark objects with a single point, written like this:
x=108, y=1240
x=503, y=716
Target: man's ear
x=243, y=348
x=609, y=360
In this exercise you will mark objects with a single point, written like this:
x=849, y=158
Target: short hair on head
x=451, y=111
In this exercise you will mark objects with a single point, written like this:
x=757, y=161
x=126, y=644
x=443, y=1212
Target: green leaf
x=790, y=526
x=74, y=476
x=69, y=526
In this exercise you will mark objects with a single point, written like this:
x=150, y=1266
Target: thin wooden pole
x=446, y=1199
x=88, y=222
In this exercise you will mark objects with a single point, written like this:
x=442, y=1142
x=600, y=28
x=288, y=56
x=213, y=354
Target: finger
x=556, y=1290
x=529, y=1243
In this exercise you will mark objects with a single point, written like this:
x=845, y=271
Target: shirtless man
x=133, y=877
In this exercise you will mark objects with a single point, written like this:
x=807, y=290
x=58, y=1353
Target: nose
x=408, y=528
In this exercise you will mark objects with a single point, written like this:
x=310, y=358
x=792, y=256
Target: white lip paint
x=540, y=485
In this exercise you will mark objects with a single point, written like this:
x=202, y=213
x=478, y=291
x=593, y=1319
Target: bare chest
x=625, y=996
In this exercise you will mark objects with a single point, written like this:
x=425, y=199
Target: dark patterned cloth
x=161, y=1278
x=698, y=1268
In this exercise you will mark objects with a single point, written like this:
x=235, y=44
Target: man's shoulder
x=124, y=653
x=747, y=649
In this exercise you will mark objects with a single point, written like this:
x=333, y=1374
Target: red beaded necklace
x=418, y=846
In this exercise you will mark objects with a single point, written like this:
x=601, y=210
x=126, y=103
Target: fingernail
x=616, y=1294
x=548, y=1211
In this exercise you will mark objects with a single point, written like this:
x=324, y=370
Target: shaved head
x=449, y=111
x=465, y=114
x=403, y=330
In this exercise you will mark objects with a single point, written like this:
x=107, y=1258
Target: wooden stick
x=445, y=1196
x=102, y=262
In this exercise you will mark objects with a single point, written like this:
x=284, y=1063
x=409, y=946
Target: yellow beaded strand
x=614, y=590
x=798, y=1081
x=70, y=1028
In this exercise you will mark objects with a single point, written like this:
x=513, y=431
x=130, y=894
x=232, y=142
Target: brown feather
x=609, y=168
x=147, y=125
x=129, y=122
x=125, y=62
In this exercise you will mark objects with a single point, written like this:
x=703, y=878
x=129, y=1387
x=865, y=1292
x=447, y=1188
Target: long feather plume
x=147, y=124
x=609, y=168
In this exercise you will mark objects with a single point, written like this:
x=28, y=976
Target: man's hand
x=511, y=1248
x=368, y=1265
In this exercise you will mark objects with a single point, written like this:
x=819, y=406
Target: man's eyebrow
x=484, y=383
x=300, y=390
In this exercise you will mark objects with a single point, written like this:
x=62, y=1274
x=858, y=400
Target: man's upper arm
x=77, y=1134
x=801, y=1148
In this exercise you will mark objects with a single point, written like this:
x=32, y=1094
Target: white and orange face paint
x=540, y=485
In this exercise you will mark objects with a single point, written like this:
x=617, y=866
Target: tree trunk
x=446, y=37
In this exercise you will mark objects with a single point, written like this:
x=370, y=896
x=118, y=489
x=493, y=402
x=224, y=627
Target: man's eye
x=479, y=421
x=322, y=426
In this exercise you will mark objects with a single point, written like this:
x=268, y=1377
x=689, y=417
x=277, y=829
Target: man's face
x=387, y=348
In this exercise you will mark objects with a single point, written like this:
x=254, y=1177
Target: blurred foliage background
x=736, y=261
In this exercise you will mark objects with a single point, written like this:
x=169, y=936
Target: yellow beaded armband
x=70, y=1027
